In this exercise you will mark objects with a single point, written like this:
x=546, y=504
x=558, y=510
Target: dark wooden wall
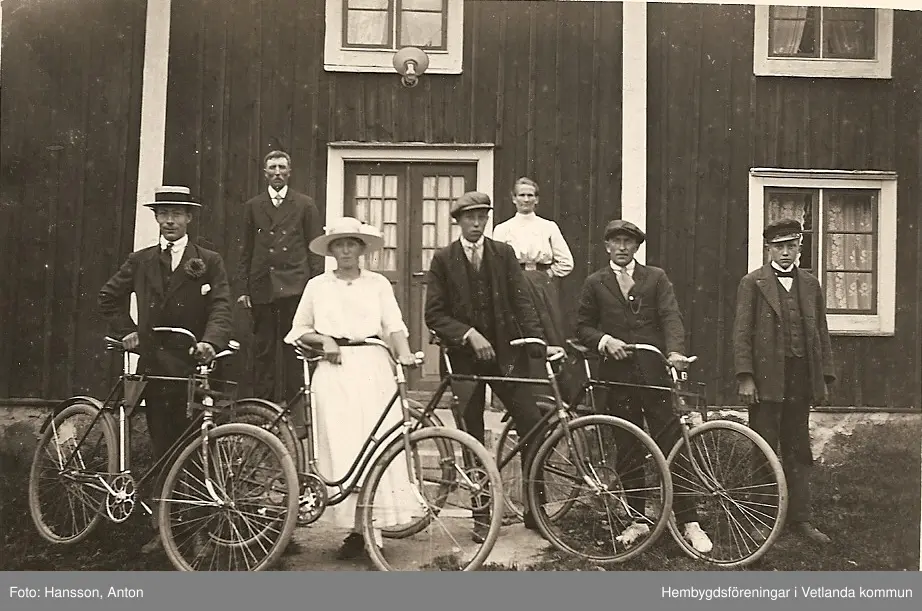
x=711, y=120
x=71, y=100
x=541, y=80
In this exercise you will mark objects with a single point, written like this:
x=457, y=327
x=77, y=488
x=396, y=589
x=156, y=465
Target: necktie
x=781, y=274
x=625, y=282
x=277, y=201
x=166, y=257
x=475, y=257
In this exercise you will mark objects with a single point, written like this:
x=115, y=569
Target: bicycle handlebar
x=232, y=346
x=311, y=354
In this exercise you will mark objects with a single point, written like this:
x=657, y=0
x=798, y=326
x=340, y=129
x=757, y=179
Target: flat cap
x=472, y=200
x=783, y=230
x=625, y=227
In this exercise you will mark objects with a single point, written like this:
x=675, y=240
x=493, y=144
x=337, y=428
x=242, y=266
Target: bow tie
x=787, y=274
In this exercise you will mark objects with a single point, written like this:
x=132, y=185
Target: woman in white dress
x=352, y=384
x=543, y=254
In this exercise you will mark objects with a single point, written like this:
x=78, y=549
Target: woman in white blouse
x=543, y=253
x=352, y=384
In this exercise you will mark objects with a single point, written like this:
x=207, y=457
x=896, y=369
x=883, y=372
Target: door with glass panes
x=409, y=203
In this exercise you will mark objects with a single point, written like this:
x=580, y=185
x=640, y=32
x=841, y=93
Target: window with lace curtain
x=363, y=35
x=849, y=221
x=821, y=41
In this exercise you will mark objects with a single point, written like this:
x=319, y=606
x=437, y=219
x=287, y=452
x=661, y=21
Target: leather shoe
x=353, y=547
x=479, y=534
x=529, y=520
x=808, y=531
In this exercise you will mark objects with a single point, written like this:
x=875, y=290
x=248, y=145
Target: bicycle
x=229, y=499
x=443, y=466
x=586, y=460
x=734, y=476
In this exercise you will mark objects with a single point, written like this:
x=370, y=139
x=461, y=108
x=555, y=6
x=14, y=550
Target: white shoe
x=698, y=538
x=632, y=533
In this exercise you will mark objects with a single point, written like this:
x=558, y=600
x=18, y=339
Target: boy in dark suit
x=783, y=358
x=477, y=301
x=178, y=284
x=629, y=303
x=275, y=265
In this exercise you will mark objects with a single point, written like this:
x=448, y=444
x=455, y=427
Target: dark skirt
x=544, y=294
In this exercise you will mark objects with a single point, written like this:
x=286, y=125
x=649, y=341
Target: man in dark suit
x=275, y=265
x=783, y=359
x=477, y=301
x=178, y=284
x=629, y=303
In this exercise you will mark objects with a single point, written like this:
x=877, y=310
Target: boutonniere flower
x=195, y=268
x=206, y=288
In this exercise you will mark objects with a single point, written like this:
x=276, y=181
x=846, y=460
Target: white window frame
x=338, y=153
x=883, y=322
x=878, y=68
x=337, y=58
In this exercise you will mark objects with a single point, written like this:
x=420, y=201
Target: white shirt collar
x=781, y=269
x=629, y=268
x=178, y=246
x=281, y=193
x=466, y=244
x=526, y=217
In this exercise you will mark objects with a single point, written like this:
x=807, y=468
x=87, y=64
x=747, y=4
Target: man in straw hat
x=783, y=358
x=627, y=303
x=275, y=265
x=477, y=301
x=178, y=284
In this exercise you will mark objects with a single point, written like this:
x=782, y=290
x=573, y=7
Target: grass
x=866, y=497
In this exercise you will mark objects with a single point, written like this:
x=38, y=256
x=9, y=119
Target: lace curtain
x=846, y=32
x=849, y=250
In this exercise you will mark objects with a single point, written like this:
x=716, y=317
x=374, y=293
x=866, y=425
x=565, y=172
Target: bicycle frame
x=676, y=376
x=201, y=425
x=348, y=483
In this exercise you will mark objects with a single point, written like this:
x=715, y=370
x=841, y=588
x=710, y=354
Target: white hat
x=347, y=227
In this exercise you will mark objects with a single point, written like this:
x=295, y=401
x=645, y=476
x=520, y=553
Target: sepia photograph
x=360, y=285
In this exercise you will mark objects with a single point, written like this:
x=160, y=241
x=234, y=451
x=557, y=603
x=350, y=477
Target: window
x=363, y=35
x=823, y=41
x=847, y=217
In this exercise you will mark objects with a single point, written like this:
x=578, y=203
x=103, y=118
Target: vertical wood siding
x=541, y=80
x=71, y=101
x=711, y=120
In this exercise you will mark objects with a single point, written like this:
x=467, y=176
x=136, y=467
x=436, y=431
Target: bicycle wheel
x=456, y=495
x=272, y=418
x=67, y=503
x=621, y=507
x=743, y=502
x=247, y=522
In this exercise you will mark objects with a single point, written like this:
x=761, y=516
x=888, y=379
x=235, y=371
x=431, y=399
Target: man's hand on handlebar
x=483, y=350
x=679, y=361
x=203, y=352
x=554, y=350
x=615, y=348
x=131, y=341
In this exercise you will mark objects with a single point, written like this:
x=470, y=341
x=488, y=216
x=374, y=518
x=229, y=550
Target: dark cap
x=472, y=200
x=625, y=227
x=173, y=196
x=782, y=230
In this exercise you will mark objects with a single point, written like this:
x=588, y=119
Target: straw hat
x=173, y=196
x=347, y=227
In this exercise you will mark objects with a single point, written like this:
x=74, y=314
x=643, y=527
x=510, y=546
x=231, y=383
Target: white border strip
x=634, y=118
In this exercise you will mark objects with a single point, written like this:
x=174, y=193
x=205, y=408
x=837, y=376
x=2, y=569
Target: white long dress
x=349, y=397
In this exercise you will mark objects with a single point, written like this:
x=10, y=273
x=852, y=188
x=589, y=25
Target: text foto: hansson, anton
x=52, y=592
x=776, y=593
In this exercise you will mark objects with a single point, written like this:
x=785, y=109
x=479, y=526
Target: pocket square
x=206, y=288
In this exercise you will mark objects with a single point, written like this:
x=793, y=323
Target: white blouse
x=536, y=240
x=354, y=309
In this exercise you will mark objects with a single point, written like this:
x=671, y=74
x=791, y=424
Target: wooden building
x=697, y=122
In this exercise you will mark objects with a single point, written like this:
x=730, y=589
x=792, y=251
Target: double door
x=409, y=203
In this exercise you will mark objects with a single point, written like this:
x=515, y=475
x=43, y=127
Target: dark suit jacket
x=275, y=261
x=758, y=337
x=449, y=312
x=653, y=316
x=177, y=303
